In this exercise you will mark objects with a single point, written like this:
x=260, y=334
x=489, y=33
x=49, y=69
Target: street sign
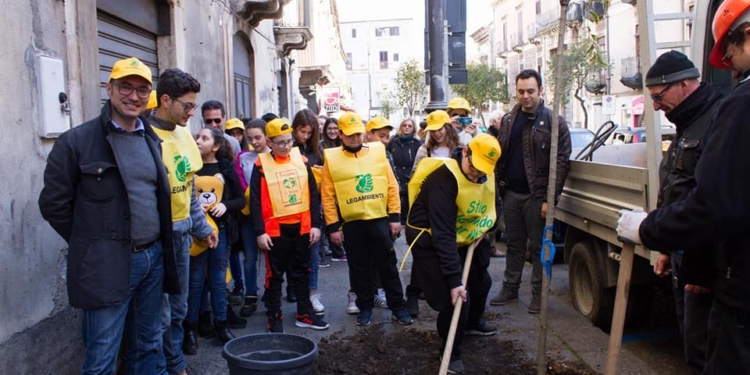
x=608, y=105
x=331, y=101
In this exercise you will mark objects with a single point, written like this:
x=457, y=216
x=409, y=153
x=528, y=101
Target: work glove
x=629, y=224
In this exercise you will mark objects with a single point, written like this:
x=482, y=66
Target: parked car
x=580, y=137
x=627, y=134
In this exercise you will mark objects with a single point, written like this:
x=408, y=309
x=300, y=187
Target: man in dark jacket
x=717, y=209
x=523, y=173
x=106, y=193
x=674, y=87
x=441, y=233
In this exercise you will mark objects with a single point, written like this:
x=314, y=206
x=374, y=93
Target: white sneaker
x=380, y=299
x=352, y=309
x=318, y=307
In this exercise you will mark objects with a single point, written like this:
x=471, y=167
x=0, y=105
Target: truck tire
x=586, y=280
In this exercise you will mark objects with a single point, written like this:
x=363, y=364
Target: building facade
x=525, y=34
x=375, y=49
x=62, y=51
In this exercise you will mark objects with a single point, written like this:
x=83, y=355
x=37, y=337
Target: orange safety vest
x=284, y=192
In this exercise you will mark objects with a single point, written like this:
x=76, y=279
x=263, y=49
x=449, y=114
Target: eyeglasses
x=186, y=106
x=284, y=144
x=143, y=92
x=208, y=121
x=332, y=130
x=660, y=96
x=471, y=164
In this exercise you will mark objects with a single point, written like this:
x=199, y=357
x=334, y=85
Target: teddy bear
x=209, y=190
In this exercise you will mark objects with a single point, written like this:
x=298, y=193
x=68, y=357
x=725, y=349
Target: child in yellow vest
x=362, y=207
x=283, y=194
x=440, y=233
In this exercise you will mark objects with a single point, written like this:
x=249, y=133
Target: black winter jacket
x=536, y=140
x=692, y=118
x=717, y=209
x=403, y=154
x=84, y=199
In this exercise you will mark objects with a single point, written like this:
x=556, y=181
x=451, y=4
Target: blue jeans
x=314, y=265
x=250, y=242
x=103, y=328
x=174, y=309
x=235, y=267
x=216, y=260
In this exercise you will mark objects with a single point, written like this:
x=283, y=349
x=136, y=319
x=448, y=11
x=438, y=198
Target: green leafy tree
x=387, y=104
x=580, y=60
x=410, y=86
x=486, y=84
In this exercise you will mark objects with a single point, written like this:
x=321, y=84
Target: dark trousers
x=290, y=254
x=523, y=223
x=693, y=311
x=428, y=274
x=369, y=245
x=728, y=349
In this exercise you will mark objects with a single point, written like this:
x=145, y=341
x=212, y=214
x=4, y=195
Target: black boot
x=190, y=340
x=221, y=328
x=205, y=328
x=234, y=320
x=250, y=305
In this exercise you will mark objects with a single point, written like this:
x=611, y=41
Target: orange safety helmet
x=730, y=14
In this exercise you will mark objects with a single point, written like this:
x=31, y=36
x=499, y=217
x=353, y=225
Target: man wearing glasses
x=214, y=115
x=106, y=193
x=716, y=209
x=176, y=96
x=674, y=87
x=440, y=234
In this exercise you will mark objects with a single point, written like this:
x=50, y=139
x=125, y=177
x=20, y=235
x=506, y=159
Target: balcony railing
x=548, y=18
x=596, y=82
x=501, y=46
x=531, y=30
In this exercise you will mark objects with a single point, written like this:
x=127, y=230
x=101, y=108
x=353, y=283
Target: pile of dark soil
x=388, y=349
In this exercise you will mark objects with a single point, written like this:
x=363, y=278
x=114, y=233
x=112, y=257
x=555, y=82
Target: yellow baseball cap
x=459, y=103
x=437, y=119
x=130, y=67
x=234, y=123
x=152, y=103
x=485, y=152
x=278, y=126
x=350, y=123
x=378, y=122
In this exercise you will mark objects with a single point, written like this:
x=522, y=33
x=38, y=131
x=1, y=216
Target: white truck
x=625, y=177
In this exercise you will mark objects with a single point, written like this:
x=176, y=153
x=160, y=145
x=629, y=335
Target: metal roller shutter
x=119, y=39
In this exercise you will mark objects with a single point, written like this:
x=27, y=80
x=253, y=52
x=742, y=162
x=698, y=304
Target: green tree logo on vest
x=181, y=168
x=293, y=199
x=289, y=183
x=364, y=183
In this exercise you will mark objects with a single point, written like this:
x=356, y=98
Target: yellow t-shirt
x=182, y=159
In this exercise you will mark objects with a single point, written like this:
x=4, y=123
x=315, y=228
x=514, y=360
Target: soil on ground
x=385, y=349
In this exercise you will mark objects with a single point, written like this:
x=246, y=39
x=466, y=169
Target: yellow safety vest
x=361, y=182
x=287, y=184
x=182, y=159
x=475, y=202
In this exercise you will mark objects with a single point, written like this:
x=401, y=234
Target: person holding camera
x=460, y=112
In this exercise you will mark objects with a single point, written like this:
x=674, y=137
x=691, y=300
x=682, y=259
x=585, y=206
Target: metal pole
x=437, y=51
x=541, y=360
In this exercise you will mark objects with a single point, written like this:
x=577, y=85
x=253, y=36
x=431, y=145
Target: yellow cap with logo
x=234, y=123
x=437, y=119
x=378, y=122
x=278, y=126
x=130, y=67
x=485, y=152
x=459, y=103
x=350, y=123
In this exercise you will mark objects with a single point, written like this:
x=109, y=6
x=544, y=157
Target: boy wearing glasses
x=283, y=193
x=176, y=97
x=440, y=234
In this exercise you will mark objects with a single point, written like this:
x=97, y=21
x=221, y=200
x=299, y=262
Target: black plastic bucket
x=270, y=353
